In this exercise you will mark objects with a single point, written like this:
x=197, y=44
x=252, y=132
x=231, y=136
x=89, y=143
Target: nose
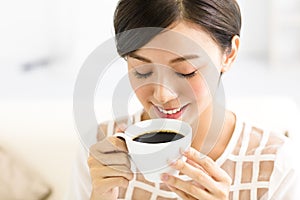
x=163, y=94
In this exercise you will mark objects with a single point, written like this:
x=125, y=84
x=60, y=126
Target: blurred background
x=43, y=44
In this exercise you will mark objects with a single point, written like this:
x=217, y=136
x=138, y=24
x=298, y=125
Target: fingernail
x=164, y=177
x=121, y=127
x=186, y=151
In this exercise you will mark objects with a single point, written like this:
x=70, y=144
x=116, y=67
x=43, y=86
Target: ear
x=229, y=57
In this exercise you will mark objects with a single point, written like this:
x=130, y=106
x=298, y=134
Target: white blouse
x=261, y=163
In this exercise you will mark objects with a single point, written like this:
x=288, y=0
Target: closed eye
x=142, y=75
x=148, y=74
x=189, y=75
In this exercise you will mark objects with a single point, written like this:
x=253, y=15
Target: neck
x=213, y=132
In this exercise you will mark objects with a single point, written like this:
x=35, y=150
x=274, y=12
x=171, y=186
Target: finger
x=111, y=171
x=105, y=185
x=194, y=164
x=186, y=187
x=109, y=144
x=107, y=159
x=196, y=174
x=180, y=193
x=208, y=165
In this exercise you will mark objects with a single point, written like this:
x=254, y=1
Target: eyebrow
x=141, y=58
x=175, y=60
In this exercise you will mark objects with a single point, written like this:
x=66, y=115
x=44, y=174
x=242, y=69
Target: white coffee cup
x=153, y=159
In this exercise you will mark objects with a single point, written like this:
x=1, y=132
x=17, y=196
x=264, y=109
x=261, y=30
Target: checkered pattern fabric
x=248, y=159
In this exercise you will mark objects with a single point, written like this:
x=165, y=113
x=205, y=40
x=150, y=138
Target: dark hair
x=221, y=19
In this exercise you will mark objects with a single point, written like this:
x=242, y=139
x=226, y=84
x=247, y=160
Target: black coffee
x=158, y=137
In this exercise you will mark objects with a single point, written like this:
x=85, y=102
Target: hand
x=209, y=181
x=109, y=168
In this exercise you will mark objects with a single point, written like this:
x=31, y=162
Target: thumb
x=121, y=127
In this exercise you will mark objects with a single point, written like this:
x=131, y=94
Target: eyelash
x=187, y=76
x=144, y=76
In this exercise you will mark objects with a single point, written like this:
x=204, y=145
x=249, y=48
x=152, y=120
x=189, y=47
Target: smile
x=175, y=113
x=169, y=112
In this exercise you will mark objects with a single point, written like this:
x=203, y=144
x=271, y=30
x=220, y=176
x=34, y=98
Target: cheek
x=143, y=93
x=200, y=90
x=201, y=97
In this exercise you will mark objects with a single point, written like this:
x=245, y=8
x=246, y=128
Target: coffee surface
x=158, y=137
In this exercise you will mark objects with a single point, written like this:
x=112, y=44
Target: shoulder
x=276, y=154
x=285, y=178
x=272, y=142
x=269, y=143
x=269, y=159
x=263, y=140
x=285, y=159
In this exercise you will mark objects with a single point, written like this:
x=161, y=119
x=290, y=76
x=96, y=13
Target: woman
x=173, y=79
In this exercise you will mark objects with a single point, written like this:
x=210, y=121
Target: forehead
x=181, y=39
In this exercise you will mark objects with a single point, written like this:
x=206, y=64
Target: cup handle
x=125, y=137
x=121, y=136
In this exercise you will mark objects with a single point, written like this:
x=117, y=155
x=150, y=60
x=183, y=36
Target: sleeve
x=285, y=180
x=80, y=185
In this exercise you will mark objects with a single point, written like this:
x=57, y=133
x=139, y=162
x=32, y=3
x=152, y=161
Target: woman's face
x=175, y=75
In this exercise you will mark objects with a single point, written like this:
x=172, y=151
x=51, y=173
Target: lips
x=171, y=113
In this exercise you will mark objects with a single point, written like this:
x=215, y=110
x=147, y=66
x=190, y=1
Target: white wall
x=270, y=31
x=58, y=30
x=66, y=29
x=34, y=29
x=61, y=32
x=255, y=28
